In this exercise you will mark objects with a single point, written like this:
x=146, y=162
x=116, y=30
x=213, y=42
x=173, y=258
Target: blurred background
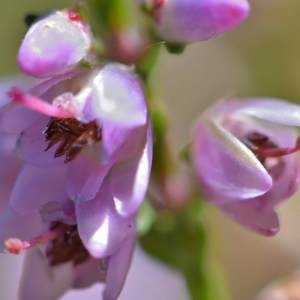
x=261, y=58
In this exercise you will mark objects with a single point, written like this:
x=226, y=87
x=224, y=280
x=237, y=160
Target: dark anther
x=71, y=136
x=67, y=247
x=256, y=142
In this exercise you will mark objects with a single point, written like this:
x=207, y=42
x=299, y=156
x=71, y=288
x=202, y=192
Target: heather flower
x=244, y=156
x=187, y=21
x=84, y=139
x=55, y=44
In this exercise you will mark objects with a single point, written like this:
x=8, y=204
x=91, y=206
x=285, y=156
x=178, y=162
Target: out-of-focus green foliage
x=113, y=14
x=180, y=240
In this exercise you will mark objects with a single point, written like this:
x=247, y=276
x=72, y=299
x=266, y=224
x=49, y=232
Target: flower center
x=264, y=148
x=258, y=143
x=64, y=245
x=71, y=135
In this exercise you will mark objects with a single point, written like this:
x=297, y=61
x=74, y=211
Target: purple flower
x=85, y=146
x=244, y=155
x=186, y=21
x=54, y=44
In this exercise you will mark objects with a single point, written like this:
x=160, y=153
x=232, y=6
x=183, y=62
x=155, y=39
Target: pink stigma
x=16, y=246
x=18, y=96
x=277, y=152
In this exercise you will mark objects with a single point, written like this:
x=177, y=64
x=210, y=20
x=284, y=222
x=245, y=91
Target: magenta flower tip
x=193, y=20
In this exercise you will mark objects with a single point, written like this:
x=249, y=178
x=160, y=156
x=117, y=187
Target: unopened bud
x=54, y=44
x=182, y=21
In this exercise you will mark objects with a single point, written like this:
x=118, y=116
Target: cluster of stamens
x=66, y=247
x=264, y=148
x=71, y=135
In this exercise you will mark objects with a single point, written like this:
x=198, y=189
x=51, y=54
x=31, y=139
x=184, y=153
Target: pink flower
x=85, y=145
x=55, y=44
x=187, y=21
x=244, y=155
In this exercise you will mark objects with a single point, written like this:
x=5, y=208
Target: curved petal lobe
x=226, y=165
x=100, y=227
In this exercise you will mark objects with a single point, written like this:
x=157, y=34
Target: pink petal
x=286, y=182
x=226, y=166
x=129, y=180
x=10, y=167
x=35, y=187
x=100, y=227
x=272, y=110
x=85, y=176
x=40, y=281
x=115, y=95
x=88, y=273
x=254, y=215
x=120, y=143
x=43, y=88
x=194, y=20
x=32, y=145
x=118, y=267
x=15, y=118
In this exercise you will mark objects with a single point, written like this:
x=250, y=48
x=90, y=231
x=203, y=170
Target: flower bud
x=54, y=44
x=186, y=21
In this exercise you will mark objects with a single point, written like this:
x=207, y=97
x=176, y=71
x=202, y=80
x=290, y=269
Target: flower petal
x=89, y=272
x=10, y=167
x=115, y=95
x=129, y=180
x=227, y=166
x=118, y=267
x=253, y=215
x=121, y=143
x=286, y=171
x=43, y=88
x=194, y=20
x=15, y=118
x=32, y=145
x=40, y=281
x=38, y=186
x=272, y=110
x=85, y=176
x=100, y=227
